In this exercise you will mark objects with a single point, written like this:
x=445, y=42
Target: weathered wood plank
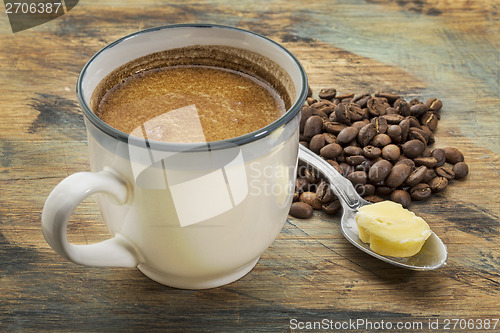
x=444, y=49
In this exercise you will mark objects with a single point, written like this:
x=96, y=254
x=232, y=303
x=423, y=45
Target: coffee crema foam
x=188, y=95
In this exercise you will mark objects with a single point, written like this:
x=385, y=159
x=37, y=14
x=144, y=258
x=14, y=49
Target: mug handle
x=117, y=251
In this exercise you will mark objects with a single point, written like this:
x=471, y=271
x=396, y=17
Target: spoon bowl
x=433, y=253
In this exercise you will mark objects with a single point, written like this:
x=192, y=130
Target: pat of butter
x=391, y=230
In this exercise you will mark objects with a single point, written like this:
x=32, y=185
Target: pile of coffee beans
x=380, y=142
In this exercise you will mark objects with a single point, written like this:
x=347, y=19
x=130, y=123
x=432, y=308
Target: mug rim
x=211, y=145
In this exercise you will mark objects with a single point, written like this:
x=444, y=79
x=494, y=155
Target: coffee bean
x=406, y=161
x=313, y=126
x=429, y=162
x=402, y=107
x=320, y=113
x=373, y=198
x=360, y=188
x=453, y=155
x=301, y=172
x=383, y=190
x=393, y=119
x=367, y=189
x=366, y=134
x=332, y=117
x=414, y=135
x=321, y=104
x=301, y=210
x=306, y=113
x=361, y=100
x=418, y=134
x=398, y=175
x=427, y=152
x=376, y=106
x=372, y=152
x=405, y=129
x=430, y=139
x=418, y=109
x=327, y=93
x=335, y=165
x=360, y=123
x=346, y=97
x=347, y=135
x=311, y=100
x=390, y=97
x=413, y=148
x=311, y=176
x=414, y=101
x=438, y=184
x=329, y=138
x=310, y=199
x=381, y=140
x=430, y=120
x=334, y=127
x=461, y=169
x=392, y=111
x=413, y=122
x=394, y=132
x=401, y=197
x=420, y=192
x=295, y=196
x=391, y=152
x=379, y=171
x=342, y=114
x=434, y=104
x=445, y=172
x=332, y=207
x=440, y=156
x=331, y=151
x=380, y=124
x=365, y=165
x=355, y=112
x=301, y=185
x=355, y=160
x=325, y=107
x=317, y=142
x=357, y=177
x=324, y=193
x=346, y=169
x=429, y=175
x=416, y=176
x=353, y=150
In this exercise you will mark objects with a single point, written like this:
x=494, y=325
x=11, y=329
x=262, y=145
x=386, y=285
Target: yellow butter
x=391, y=230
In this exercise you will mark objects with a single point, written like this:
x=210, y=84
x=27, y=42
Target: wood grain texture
x=433, y=48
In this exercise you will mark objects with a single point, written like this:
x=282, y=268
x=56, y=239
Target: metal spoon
x=432, y=255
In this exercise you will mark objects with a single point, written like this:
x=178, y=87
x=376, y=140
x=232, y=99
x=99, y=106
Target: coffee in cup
x=195, y=208
x=206, y=96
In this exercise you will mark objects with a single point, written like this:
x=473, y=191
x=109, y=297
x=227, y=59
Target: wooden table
x=444, y=49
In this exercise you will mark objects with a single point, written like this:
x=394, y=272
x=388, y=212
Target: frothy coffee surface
x=190, y=103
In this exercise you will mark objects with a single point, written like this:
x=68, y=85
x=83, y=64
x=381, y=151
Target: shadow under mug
x=187, y=215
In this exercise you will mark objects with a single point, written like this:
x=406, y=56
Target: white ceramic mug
x=187, y=215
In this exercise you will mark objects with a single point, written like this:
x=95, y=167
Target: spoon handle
x=342, y=187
